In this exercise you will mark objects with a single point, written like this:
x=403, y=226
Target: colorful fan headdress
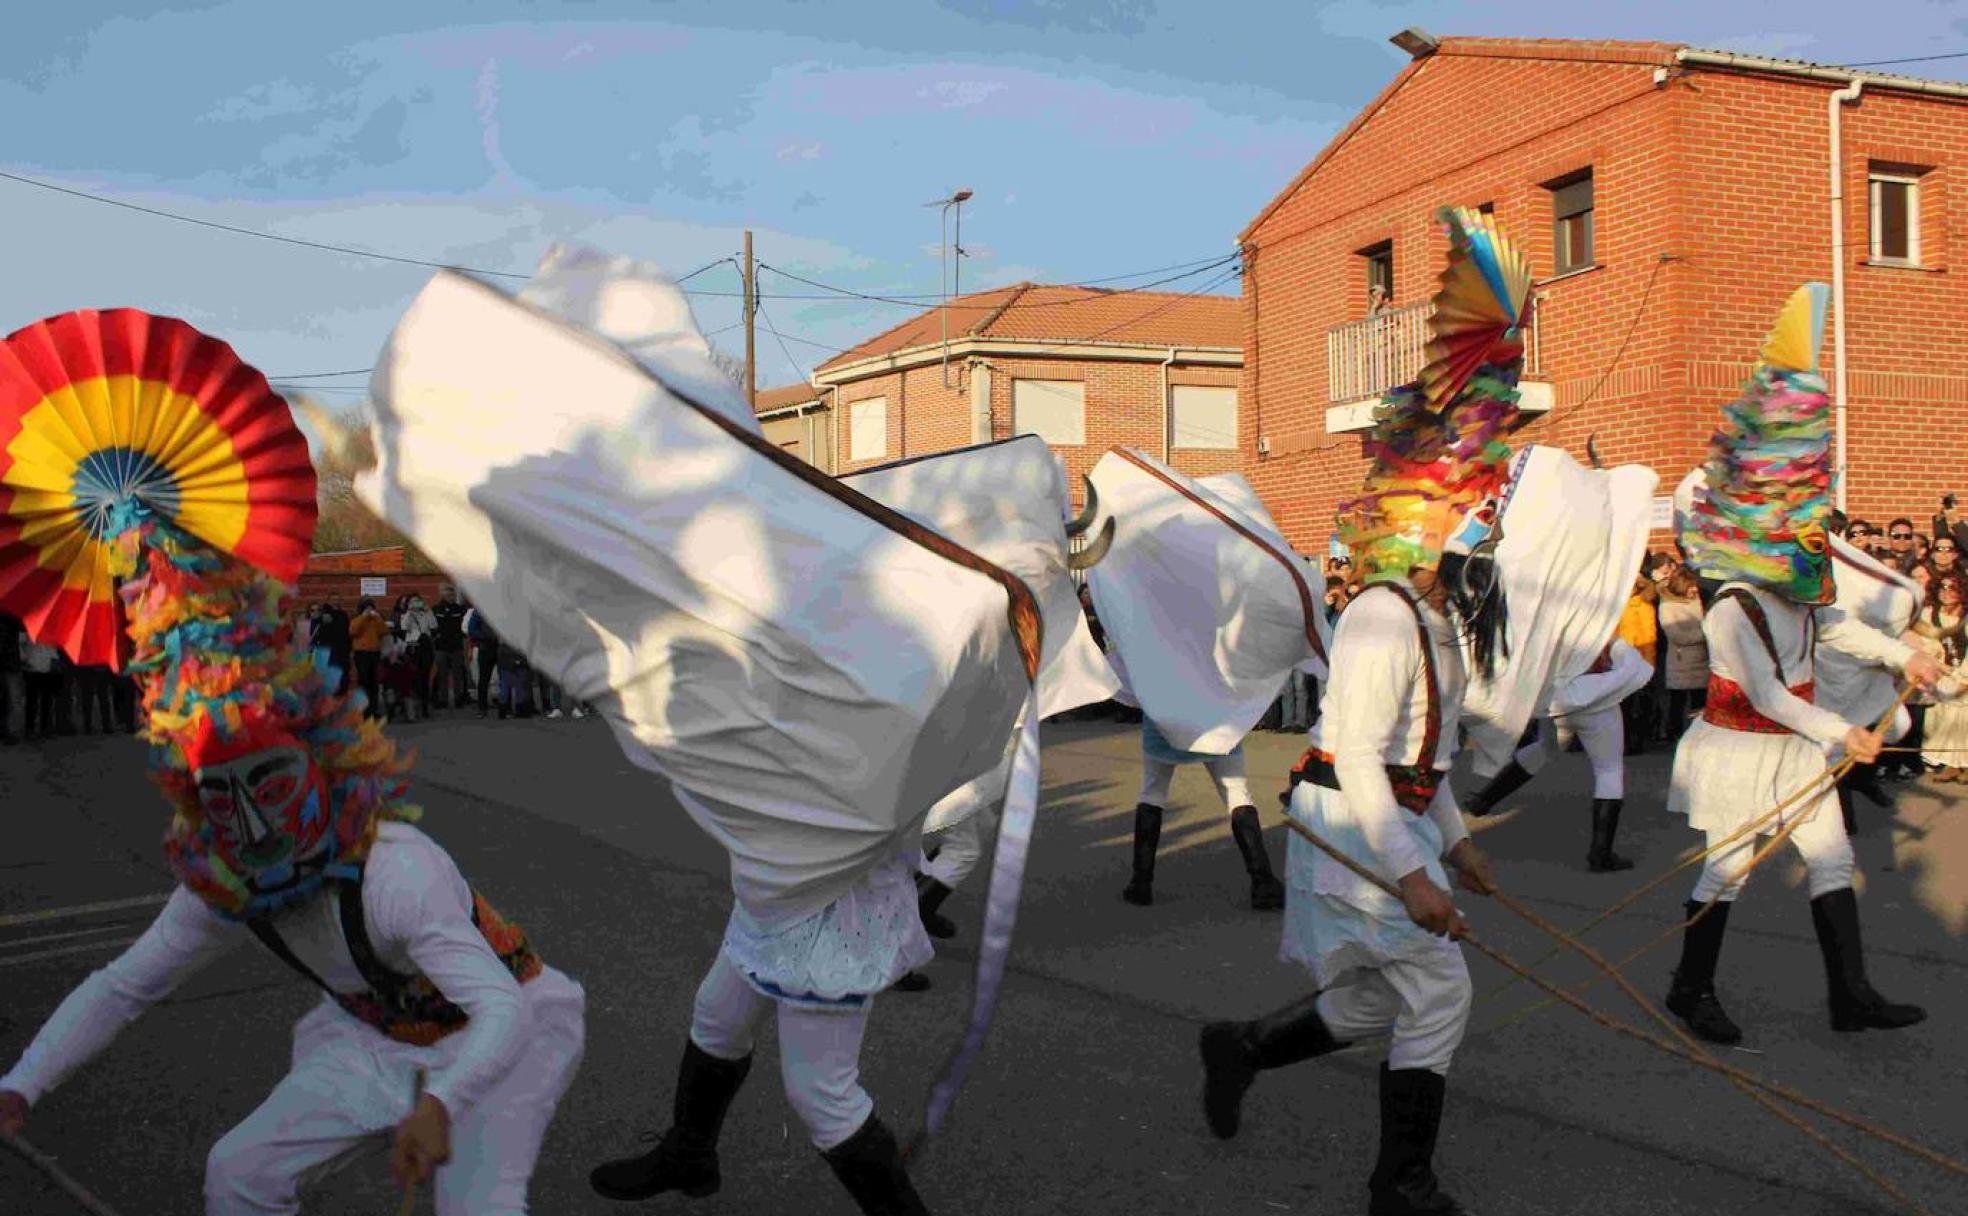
x=1437, y=447
x=1760, y=509
x=135, y=448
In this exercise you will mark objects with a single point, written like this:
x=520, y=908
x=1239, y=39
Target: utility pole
x=751, y=311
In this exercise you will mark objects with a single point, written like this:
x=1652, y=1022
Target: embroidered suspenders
x=407, y=1008
x=1414, y=784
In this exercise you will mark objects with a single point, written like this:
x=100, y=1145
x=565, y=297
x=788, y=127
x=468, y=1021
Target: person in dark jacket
x=11, y=636
x=486, y=643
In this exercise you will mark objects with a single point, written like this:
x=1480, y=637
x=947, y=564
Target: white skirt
x=856, y=946
x=1945, y=744
x=1336, y=921
x=1725, y=778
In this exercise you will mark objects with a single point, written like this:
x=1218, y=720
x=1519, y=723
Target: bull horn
x=1592, y=451
x=1085, y=518
x=1091, y=555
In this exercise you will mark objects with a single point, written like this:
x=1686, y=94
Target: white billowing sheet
x=1006, y=502
x=639, y=308
x=1206, y=604
x=1885, y=599
x=816, y=678
x=1570, y=547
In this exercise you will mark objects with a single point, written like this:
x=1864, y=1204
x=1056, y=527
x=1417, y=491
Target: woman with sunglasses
x=1944, y=625
x=1944, y=558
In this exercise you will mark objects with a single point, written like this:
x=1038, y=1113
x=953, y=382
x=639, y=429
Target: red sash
x=1729, y=707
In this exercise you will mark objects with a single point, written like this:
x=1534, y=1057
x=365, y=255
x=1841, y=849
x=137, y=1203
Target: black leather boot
x=1692, y=995
x=1508, y=781
x=1235, y=1052
x=1147, y=838
x=685, y=1157
x=1267, y=894
x=869, y=1165
x=1864, y=779
x=930, y=895
x=1601, y=859
x=912, y=981
x=1854, y=1004
x=1403, y=1182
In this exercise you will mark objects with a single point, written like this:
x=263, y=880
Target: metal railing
x=1367, y=357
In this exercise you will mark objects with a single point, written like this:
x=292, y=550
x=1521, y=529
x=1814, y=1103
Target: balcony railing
x=1367, y=357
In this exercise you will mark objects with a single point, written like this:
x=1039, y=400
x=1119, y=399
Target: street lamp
x=945, y=261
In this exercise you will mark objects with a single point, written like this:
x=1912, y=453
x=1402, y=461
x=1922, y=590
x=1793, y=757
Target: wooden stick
x=83, y=1196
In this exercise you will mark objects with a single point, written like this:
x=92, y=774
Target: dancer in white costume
x=1588, y=710
x=1757, y=527
x=1376, y=785
x=290, y=826
x=1877, y=595
x=1207, y=613
x=749, y=628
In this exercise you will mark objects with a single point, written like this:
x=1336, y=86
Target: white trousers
x=1422, y=999
x=819, y=1049
x=1603, y=735
x=1821, y=841
x=1226, y=771
x=959, y=848
x=350, y=1087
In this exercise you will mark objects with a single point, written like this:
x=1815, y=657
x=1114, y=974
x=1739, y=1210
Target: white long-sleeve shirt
x=1737, y=653
x=418, y=911
x=1376, y=715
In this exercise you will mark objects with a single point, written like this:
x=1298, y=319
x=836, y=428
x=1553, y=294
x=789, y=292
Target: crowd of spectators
x=55, y=697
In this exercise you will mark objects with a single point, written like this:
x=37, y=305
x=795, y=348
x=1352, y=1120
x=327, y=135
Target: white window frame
x=1071, y=436
x=1214, y=441
x=867, y=417
x=1912, y=182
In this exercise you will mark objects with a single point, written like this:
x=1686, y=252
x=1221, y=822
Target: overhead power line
x=1880, y=63
x=908, y=302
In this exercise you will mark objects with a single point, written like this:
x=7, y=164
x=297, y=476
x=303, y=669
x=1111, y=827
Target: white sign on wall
x=1662, y=517
x=375, y=586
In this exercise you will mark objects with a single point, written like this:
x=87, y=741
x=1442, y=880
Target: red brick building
x=1084, y=368
x=382, y=574
x=1669, y=200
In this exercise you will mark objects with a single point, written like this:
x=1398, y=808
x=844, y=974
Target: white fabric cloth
x=1207, y=622
x=857, y=945
x=819, y=1049
x=1571, y=542
x=1377, y=675
x=499, y=1077
x=1421, y=997
x=754, y=636
x=1879, y=596
x=1602, y=733
x=636, y=306
x=1007, y=502
x=1725, y=778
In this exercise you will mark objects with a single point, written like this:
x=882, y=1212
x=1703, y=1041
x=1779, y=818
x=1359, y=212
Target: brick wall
x=1725, y=174
x=1123, y=409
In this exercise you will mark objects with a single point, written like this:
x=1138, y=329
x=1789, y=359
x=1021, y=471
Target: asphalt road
x=1087, y=1098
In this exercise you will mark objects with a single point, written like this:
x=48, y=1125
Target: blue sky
x=1102, y=137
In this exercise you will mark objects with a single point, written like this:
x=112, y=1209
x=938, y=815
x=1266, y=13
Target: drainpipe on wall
x=833, y=431
x=1839, y=99
x=1168, y=421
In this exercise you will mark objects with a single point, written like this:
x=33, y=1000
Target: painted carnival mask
x=265, y=804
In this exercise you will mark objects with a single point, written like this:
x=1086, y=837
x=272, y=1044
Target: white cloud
x=954, y=94
x=800, y=151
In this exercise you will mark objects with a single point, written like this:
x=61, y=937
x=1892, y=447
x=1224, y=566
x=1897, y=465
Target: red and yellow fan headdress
x=108, y=419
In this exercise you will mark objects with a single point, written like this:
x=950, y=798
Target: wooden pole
x=751, y=311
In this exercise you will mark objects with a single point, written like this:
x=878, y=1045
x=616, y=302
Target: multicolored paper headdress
x=1760, y=509
x=1437, y=447
x=136, y=450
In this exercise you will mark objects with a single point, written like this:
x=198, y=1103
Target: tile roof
x=1067, y=314
x=785, y=395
